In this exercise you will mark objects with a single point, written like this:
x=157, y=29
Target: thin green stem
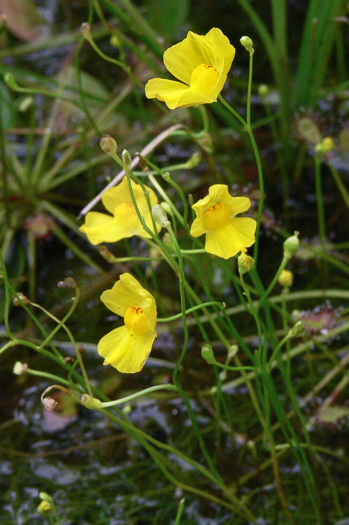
x=141, y=393
x=319, y=199
x=190, y=310
x=273, y=282
x=46, y=375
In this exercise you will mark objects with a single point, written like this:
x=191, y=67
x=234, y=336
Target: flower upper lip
x=201, y=63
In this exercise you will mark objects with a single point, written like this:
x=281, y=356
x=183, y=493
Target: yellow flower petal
x=100, y=227
x=115, y=196
x=128, y=347
x=128, y=292
x=231, y=239
x=175, y=94
x=226, y=234
x=213, y=49
x=125, y=351
x=125, y=223
x=201, y=63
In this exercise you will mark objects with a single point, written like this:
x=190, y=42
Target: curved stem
x=144, y=392
x=190, y=310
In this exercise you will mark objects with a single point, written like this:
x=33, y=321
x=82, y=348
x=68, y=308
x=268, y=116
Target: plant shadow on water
x=97, y=472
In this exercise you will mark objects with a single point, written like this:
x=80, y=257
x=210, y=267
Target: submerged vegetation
x=189, y=234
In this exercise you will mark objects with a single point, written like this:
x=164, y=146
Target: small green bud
x=297, y=330
x=10, y=81
x=327, y=144
x=127, y=160
x=115, y=41
x=194, y=160
x=86, y=31
x=233, y=350
x=20, y=368
x=207, y=354
x=286, y=278
x=90, y=402
x=168, y=242
x=45, y=497
x=291, y=245
x=159, y=215
x=245, y=263
x=167, y=208
x=108, y=145
x=247, y=43
x=25, y=104
x=263, y=90
x=166, y=176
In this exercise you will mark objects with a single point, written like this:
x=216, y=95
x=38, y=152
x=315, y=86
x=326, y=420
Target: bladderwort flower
x=124, y=221
x=226, y=234
x=128, y=347
x=201, y=63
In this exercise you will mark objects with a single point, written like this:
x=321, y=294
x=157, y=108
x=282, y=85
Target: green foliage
x=167, y=16
x=244, y=389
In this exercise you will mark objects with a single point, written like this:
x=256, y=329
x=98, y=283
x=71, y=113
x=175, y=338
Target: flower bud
x=167, y=208
x=247, y=43
x=207, y=354
x=20, y=368
x=25, y=104
x=108, y=145
x=115, y=41
x=106, y=254
x=127, y=160
x=326, y=145
x=159, y=215
x=68, y=283
x=166, y=176
x=49, y=403
x=297, y=330
x=263, y=90
x=10, y=81
x=168, y=242
x=86, y=31
x=245, y=263
x=19, y=299
x=194, y=160
x=90, y=402
x=45, y=497
x=44, y=509
x=233, y=350
x=286, y=278
x=291, y=245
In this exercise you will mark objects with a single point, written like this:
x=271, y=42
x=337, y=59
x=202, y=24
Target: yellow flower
x=128, y=347
x=226, y=234
x=124, y=222
x=286, y=278
x=201, y=63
